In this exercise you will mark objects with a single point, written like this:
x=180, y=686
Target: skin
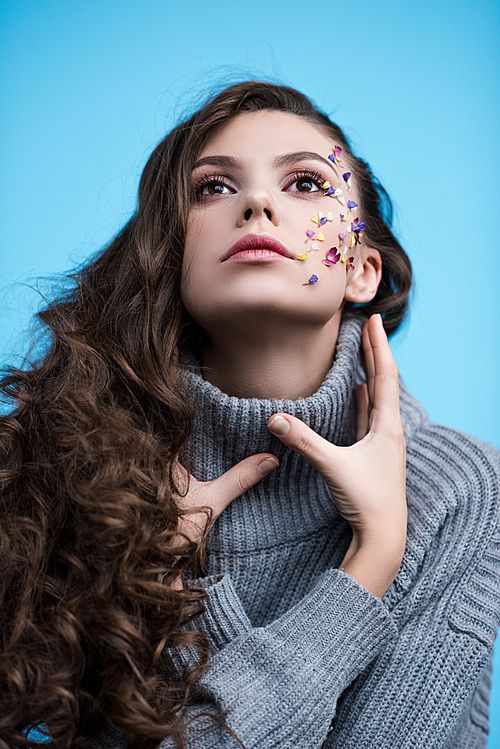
x=271, y=336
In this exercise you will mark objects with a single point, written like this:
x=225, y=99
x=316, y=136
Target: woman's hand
x=367, y=480
x=217, y=494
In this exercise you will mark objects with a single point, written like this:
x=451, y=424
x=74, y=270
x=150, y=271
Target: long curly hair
x=89, y=504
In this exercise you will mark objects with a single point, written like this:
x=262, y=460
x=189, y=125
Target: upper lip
x=263, y=241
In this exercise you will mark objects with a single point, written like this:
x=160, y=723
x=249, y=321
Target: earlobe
x=363, y=282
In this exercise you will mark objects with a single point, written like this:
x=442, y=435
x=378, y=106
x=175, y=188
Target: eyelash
x=219, y=179
x=307, y=176
x=206, y=180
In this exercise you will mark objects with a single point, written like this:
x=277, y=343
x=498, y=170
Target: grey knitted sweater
x=304, y=656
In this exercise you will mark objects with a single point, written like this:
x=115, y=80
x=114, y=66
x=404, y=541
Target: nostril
x=268, y=213
x=248, y=213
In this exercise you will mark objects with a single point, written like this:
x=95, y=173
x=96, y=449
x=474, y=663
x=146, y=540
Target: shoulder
x=447, y=459
x=452, y=554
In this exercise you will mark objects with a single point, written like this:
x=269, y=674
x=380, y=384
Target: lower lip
x=246, y=256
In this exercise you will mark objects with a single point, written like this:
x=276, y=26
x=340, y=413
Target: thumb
x=239, y=479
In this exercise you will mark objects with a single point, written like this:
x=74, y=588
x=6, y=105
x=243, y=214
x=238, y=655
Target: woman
x=205, y=514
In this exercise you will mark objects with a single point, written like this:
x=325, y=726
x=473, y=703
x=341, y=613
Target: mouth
x=252, y=242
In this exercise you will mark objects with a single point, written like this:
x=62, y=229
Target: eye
x=210, y=186
x=306, y=182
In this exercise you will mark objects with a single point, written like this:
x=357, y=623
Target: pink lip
x=262, y=241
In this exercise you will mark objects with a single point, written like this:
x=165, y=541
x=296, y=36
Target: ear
x=363, y=281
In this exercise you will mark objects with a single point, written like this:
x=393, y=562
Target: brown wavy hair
x=89, y=502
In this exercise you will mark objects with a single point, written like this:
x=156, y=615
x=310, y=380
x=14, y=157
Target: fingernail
x=267, y=465
x=279, y=425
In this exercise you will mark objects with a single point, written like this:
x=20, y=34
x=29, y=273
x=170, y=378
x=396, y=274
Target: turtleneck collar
x=293, y=500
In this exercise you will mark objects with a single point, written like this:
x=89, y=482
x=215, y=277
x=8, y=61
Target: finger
x=368, y=361
x=304, y=440
x=241, y=477
x=363, y=412
x=386, y=381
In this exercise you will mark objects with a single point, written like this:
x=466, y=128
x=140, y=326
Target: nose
x=258, y=204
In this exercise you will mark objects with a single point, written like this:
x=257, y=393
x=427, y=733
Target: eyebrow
x=288, y=158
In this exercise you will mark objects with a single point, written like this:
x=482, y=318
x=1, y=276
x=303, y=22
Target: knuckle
x=243, y=482
x=303, y=444
x=396, y=432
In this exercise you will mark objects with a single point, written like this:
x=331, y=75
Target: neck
x=270, y=362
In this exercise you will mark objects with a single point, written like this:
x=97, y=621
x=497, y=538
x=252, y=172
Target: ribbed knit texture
x=302, y=654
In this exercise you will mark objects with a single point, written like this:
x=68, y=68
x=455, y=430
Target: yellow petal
x=320, y=236
x=325, y=185
x=304, y=256
x=353, y=241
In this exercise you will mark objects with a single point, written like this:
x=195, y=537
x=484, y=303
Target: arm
x=281, y=682
x=430, y=687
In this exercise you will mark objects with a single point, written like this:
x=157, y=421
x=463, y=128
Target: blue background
x=87, y=88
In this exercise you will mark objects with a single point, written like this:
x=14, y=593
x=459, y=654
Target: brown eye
x=305, y=182
x=210, y=187
x=215, y=188
x=305, y=185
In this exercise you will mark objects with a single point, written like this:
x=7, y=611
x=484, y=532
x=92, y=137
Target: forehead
x=266, y=132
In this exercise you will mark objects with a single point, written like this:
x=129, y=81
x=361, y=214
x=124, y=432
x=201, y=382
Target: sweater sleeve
x=280, y=683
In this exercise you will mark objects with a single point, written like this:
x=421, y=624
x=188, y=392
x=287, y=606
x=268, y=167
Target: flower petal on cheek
x=332, y=257
x=347, y=179
x=338, y=193
x=304, y=256
x=314, y=279
x=310, y=233
x=351, y=205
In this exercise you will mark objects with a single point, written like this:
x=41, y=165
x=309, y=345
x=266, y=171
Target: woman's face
x=262, y=174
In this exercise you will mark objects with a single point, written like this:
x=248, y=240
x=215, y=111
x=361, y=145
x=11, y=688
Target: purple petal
x=310, y=233
x=361, y=226
x=322, y=221
x=332, y=255
x=346, y=176
x=332, y=157
x=313, y=279
x=330, y=191
x=342, y=237
x=351, y=204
